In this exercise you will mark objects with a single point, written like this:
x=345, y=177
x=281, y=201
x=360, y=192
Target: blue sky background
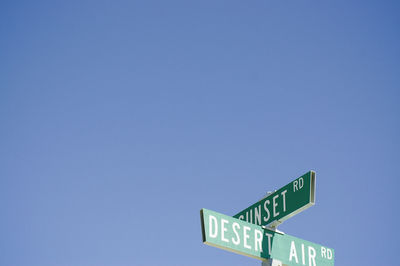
x=120, y=120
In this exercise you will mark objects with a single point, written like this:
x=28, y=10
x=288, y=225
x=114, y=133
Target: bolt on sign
x=251, y=240
x=284, y=203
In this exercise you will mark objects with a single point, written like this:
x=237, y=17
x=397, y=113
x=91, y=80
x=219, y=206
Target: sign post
x=272, y=263
x=282, y=204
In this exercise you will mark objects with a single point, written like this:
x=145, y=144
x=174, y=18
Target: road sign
x=283, y=203
x=251, y=240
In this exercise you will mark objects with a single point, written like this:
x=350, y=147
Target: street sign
x=251, y=240
x=283, y=203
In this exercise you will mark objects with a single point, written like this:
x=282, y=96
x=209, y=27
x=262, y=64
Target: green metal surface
x=251, y=240
x=283, y=203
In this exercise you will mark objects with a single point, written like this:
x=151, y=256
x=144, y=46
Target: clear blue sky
x=120, y=120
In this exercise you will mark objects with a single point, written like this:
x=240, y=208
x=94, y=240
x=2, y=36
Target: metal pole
x=272, y=262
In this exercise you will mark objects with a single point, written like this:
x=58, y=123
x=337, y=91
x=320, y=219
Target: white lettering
x=284, y=200
x=246, y=229
x=236, y=226
x=274, y=204
x=303, y=256
x=323, y=252
x=269, y=242
x=241, y=217
x=293, y=252
x=301, y=183
x=258, y=236
x=295, y=186
x=213, y=223
x=266, y=218
x=329, y=253
x=257, y=215
x=311, y=256
x=223, y=230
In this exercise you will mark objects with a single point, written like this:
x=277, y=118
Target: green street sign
x=283, y=203
x=251, y=240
